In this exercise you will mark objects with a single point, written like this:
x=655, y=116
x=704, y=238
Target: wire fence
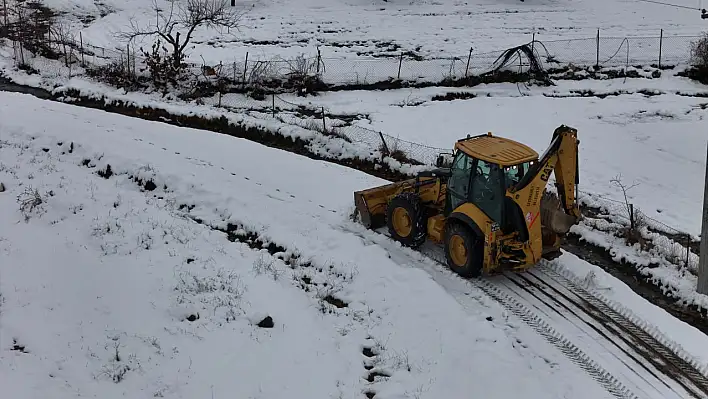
x=609, y=52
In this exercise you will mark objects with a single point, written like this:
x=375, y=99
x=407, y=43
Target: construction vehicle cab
x=486, y=203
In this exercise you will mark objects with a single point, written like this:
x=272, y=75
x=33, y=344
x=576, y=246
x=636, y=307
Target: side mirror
x=444, y=160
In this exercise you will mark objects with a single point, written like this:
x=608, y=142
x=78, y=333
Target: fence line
x=660, y=51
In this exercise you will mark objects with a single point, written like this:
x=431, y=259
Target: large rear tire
x=406, y=220
x=464, y=251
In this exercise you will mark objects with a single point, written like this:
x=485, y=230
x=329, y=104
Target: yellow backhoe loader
x=486, y=203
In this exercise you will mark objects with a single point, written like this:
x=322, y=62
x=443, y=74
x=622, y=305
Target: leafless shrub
x=400, y=360
x=699, y=52
x=637, y=220
x=261, y=266
x=223, y=290
x=303, y=74
x=261, y=72
x=31, y=203
x=699, y=58
x=66, y=38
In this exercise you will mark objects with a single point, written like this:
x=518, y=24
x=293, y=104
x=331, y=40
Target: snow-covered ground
x=440, y=28
x=107, y=301
x=100, y=278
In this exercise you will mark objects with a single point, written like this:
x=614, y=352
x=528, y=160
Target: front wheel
x=406, y=220
x=463, y=250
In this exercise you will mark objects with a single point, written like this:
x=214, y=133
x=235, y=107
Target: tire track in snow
x=682, y=367
x=631, y=361
x=430, y=252
x=677, y=363
x=569, y=349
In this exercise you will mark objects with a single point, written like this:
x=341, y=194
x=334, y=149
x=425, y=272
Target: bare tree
x=66, y=39
x=188, y=15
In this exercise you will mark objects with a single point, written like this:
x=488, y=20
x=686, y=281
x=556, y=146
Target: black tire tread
x=473, y=243
x=413, y=204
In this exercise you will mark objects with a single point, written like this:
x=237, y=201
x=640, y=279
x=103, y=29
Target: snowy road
x=652, y=369
x=622, y=356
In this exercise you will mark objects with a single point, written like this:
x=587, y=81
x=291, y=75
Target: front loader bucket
x=371, y=203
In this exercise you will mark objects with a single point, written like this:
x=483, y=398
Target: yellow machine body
x=489, y=208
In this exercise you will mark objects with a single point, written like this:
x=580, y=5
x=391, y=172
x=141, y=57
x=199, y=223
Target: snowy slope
x=100, y=278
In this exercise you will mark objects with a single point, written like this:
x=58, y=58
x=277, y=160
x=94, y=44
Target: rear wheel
x=406, y=221
x=463, y=250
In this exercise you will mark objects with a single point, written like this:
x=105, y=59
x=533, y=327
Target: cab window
x=513, y=174
x=487, y=192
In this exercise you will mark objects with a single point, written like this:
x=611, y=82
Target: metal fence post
x=597, y=41
x=245, y=69
x=469, y=58
x=324, y=124
x=400, y=63
x=81, y=41
x=385, y=146
x=319, y=60
x=702, y=286
x=661, y=44
x=688, y=248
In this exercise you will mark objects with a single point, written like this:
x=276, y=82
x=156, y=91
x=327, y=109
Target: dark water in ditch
x=8, y=85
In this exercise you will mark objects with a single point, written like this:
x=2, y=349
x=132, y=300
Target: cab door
x=459, y=182
x=487, y=189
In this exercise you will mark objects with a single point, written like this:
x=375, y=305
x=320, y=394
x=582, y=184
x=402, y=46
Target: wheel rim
x=402, y=222
x=458, y=251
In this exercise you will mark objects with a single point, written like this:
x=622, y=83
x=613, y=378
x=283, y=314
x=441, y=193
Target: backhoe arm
x=546, y=216
x=561, y=157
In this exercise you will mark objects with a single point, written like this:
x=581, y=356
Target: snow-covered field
x=118, y=283
x=440, y=28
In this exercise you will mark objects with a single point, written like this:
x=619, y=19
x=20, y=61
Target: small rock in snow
x=490, y=318
x=2, y=188
x=266, y=323
x=193, y=317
